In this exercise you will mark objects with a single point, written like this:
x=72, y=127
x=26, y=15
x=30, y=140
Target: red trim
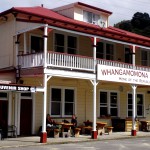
x=97, y=40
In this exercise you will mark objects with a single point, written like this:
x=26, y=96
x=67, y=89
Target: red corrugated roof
x=61, y=21
x=45, y=13
x=127, y=33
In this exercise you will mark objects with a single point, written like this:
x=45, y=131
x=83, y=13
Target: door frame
x=18, y=98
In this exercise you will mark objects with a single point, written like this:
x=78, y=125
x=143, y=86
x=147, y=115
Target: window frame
x=4, y=97
x=62, y=107
x=109, y=100
x=38, y=36
x=94, y=17
x=136, y=104
x=128, y=56
x=105, y=54
x=66, y=47
x=146, y=60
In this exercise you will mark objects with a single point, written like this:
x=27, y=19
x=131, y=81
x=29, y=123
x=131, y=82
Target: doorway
x=26, y=117
x=4, y=116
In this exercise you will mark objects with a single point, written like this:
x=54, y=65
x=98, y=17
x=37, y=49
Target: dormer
x=84, y=12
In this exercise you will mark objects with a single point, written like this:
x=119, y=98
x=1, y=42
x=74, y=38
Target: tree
x=125, y=25
x=140, y=20
x=140, y=24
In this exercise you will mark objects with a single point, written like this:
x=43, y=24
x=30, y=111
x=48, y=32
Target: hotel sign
x=124, y=75
x=9, y=87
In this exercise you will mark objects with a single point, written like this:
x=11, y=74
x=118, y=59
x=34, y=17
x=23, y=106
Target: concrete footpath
x=35, y=140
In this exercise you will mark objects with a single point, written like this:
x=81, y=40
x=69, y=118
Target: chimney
x=42, y=5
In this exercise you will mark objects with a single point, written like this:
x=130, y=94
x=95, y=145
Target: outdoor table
x=59, y=123
x=67, y=126
x=101, y=124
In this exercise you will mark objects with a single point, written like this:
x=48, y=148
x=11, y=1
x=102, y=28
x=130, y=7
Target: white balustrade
x=75, y=62
x=70, y=61
x=31, y=60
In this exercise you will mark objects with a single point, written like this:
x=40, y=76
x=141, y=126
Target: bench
x=77, y=132
x=56, y=133
x=87, y=129
x=108, y=129
x=12, y=129
x=145, y=125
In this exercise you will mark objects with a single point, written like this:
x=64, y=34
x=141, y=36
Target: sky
x=121, y=9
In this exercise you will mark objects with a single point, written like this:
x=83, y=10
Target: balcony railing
x=70, y=61
x=67, y=61
x=31, y=60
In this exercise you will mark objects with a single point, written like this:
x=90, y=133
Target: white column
x=25, y=43
x=133, y=109
x=94, y=54
x=44, y=104
x=45, y=80
x=10, y=109
x=94, y=105
x=16, y=108
x=17, y=111
x=33, y=113
x=45, y=45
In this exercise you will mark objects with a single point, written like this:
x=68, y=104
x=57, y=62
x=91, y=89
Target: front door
x=26, y=117
x=4, y=115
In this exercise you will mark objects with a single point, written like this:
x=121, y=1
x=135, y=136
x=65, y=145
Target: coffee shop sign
x=17, y=88
x=124, y=75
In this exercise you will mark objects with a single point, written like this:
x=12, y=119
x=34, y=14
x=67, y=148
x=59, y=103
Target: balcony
x=68, y=61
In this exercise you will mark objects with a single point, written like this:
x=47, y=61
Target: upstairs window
x=128, y=55
x=144, y=58
x=90, y=17
x=109, y=51
x=100, y=50
x=72, y=45
x=37, y=44
x=105, y=51
x=65, y=43
x=59, y=43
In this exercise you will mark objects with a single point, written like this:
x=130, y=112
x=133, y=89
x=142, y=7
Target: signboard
x=124, y=75
x=9, y=87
